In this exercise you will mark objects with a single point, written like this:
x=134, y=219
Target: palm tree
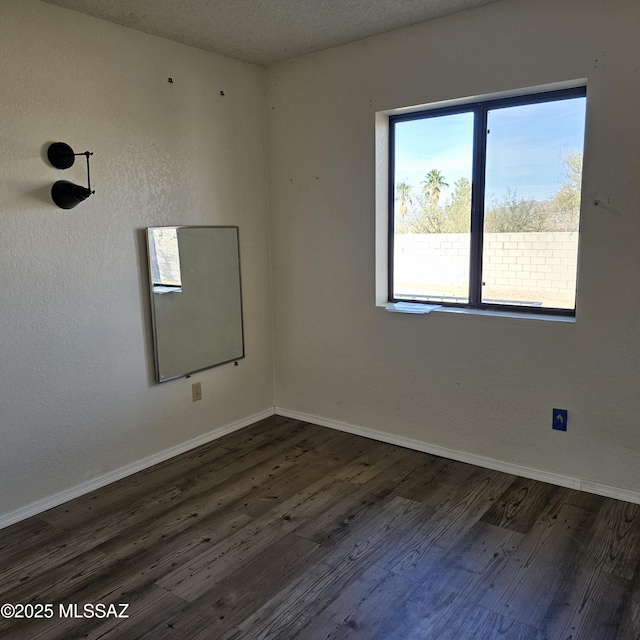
x=432, y=185
x=403, y=194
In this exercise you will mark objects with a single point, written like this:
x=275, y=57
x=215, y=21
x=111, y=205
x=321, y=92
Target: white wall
x=77, y=396
x=483, y=385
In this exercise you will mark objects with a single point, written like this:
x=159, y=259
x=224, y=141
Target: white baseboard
x=461, y=456
x=74, y=492
x=49, y=502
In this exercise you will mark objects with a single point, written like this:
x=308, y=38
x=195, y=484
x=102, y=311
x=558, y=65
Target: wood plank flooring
x=290, y=530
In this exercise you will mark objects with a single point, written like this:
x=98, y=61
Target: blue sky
x=524, y=148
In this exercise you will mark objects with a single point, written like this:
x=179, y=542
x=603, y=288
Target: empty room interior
x=381, y=458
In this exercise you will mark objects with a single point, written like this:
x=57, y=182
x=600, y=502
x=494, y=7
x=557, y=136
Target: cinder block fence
x=518, y=261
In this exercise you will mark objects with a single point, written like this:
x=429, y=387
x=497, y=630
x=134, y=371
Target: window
x=485, y=202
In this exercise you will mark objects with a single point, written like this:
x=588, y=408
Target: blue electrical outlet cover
x=559, y=420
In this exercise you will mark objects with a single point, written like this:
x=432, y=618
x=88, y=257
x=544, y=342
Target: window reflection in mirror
x=164, y=255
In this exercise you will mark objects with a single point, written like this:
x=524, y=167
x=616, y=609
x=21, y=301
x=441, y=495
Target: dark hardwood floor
x=290, y=530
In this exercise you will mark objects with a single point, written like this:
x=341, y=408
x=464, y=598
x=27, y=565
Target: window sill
x=414, y=309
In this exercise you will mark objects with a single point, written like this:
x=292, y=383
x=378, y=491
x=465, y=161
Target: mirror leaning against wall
x=196, y=298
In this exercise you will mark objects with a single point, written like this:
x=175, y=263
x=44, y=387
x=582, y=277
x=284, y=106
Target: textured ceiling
x=266, y=31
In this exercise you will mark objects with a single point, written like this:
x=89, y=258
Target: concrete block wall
x=532, y=261
x=520, y=261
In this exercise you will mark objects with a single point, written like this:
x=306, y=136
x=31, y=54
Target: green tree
x=426, y=217
x=515, y=215
x=564, y=206
x=458, y=210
